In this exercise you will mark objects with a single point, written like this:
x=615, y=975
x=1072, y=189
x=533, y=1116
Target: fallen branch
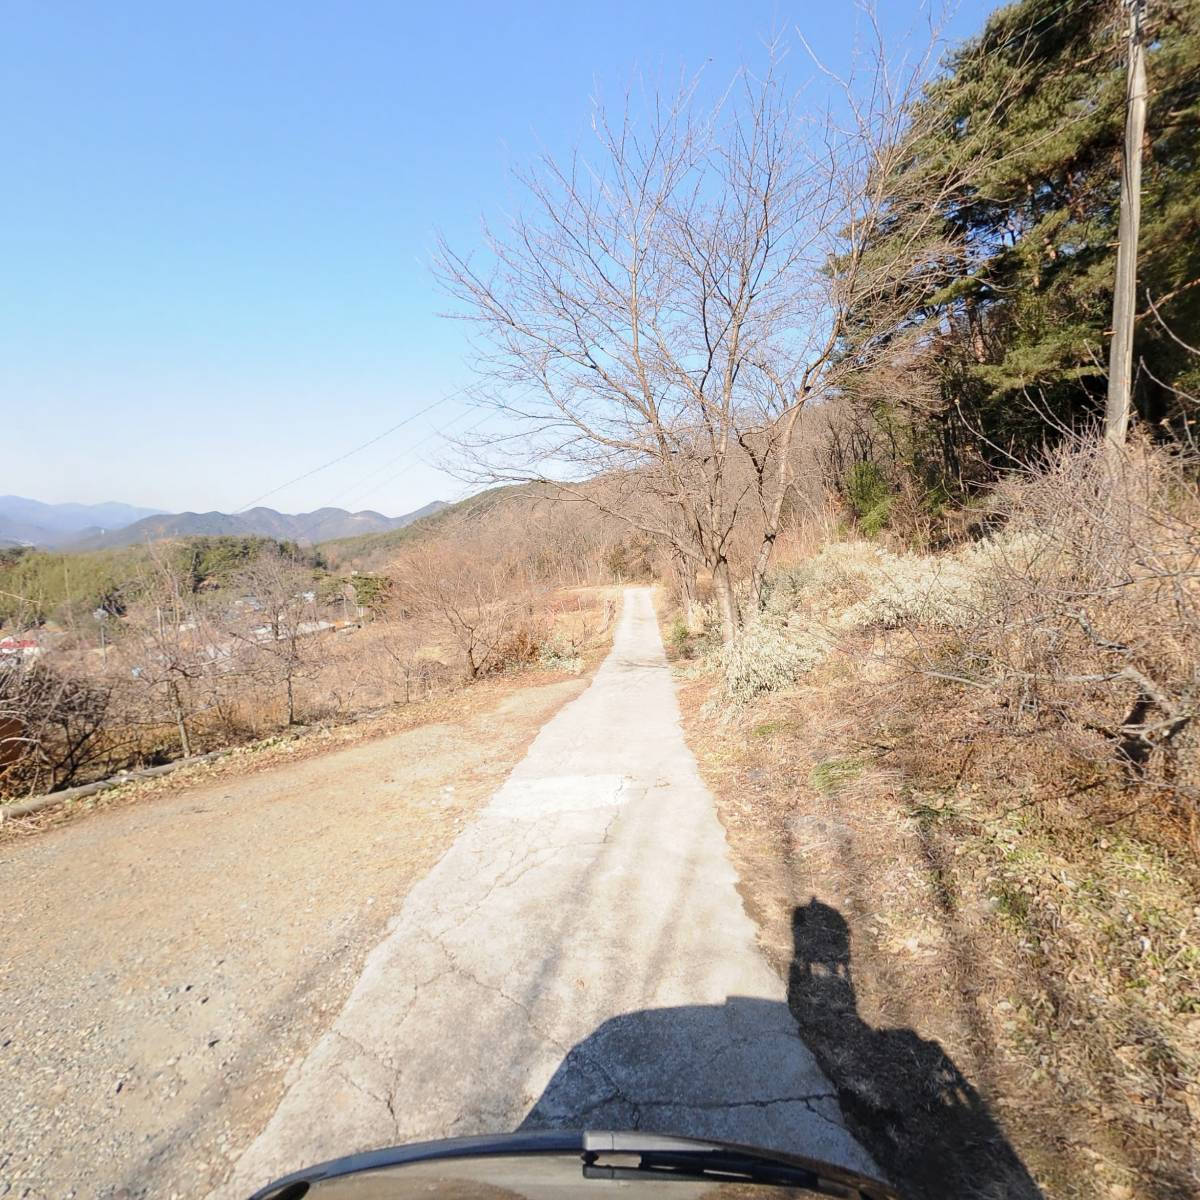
x=37, y=803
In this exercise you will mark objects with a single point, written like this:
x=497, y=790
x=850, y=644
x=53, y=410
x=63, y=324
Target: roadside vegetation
x=836, y=382
x=843, y=375
x=954, y=736
x=133, y=658
x=984, y=761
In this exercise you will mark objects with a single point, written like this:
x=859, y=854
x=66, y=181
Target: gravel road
x=163, y=964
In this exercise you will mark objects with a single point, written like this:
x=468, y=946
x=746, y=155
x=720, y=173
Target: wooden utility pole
x=1120, y=359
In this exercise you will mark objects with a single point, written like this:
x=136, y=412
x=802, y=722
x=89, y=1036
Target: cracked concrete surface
x=579, y=957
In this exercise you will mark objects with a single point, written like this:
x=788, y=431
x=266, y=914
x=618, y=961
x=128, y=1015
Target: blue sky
x=216, y=222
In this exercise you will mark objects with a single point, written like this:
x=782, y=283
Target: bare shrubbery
x=1088, y=609
x=1010, y=729
x=765, y=658
x=1082, y=608
x=1080, y=612
x=476, y=601
x=913, y=590
x=52, y=727
x=845, y=587
x=401, y=665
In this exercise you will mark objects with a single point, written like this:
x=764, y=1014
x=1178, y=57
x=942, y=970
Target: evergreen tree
x=1018, y=145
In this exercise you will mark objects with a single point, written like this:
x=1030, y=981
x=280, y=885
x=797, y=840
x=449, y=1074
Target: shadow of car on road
x=738, y=1072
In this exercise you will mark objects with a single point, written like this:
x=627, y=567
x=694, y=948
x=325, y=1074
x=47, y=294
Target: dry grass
x=968, y=831
x=1052, y=959
x=382, y=674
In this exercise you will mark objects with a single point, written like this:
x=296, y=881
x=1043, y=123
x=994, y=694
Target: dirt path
x=578, y=958
x=163, y=964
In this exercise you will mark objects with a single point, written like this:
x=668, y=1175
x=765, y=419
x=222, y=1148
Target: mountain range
x=25, y=522
x=100, y=526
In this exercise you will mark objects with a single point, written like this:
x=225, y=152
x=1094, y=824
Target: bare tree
x=53, y=727
x=277, y=625
x=163, y=639
x=397, y=662
x=658, y=320
x=472, y=600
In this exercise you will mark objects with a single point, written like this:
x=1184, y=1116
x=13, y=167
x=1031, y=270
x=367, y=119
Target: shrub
x=786, y=590
x=52, y=728
x=519, y=647
x=765, y=658
x=680, y=637
x=560, y=654
x=841, y=574
x=912, y=590
x=869, y=497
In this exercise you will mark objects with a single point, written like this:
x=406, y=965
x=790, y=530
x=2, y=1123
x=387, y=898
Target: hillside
x=368, y=549
x=321, y=525
x=67, y=587
x=32, y=522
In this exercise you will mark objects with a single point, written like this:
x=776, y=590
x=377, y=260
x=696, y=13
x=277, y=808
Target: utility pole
x=101, y=615
x=1120, y=359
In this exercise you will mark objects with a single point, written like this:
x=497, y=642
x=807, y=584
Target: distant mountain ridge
x=322, y=525
x=33, y=522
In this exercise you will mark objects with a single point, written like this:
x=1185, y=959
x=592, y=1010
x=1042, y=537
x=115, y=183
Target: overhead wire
x=404, y=456
x=407, y=455
x=359, y=448
x=384, y=482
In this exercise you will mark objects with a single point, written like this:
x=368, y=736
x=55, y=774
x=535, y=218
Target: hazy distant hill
x=306, y=528
x=31, y=522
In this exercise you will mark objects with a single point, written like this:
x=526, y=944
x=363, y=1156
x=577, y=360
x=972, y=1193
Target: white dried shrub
x=844, y=573
x=923, y=591
x=787, y=589
x=860, y=585
x=766, y=658
x=559, y=654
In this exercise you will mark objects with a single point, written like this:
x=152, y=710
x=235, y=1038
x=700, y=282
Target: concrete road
x=579, y=957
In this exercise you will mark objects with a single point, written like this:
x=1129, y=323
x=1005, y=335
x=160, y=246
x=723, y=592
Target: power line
x=429, y=437
x=356, y=487
x=350, y=453
x=384, y=482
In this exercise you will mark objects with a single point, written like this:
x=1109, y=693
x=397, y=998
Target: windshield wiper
x=641, y=1157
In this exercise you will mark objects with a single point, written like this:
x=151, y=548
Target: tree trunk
x=726, y=600
x=291, y=701
x=184, y=743
x=685, y=569
x=774, y=515
x=758, y=576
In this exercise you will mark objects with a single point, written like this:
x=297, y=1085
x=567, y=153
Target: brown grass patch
x=585, y=621
x=993, y=957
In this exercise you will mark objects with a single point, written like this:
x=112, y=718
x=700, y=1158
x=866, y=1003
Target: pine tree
x=1019, y=141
